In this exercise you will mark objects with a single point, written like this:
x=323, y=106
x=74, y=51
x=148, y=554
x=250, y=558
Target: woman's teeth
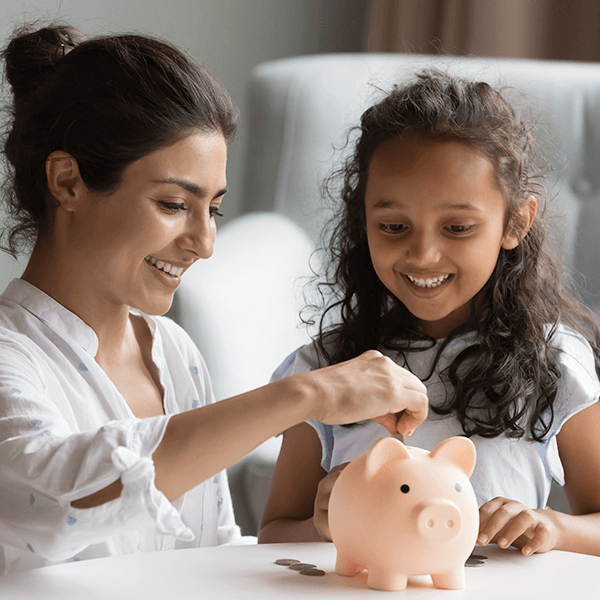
x=428, y=283
x=165, y=266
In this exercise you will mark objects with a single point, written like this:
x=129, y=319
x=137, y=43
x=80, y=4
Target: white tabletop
x=249, y=572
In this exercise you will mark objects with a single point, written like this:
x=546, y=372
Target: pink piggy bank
x=398, y=511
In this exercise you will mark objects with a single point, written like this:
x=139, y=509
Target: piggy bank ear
x=459, y=450
x=383, y=450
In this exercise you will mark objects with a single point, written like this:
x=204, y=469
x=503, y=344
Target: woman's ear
x=64, y=181
x=521, y=224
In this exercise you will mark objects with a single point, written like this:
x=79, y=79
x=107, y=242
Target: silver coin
x=312, y=572
x=286, y=562
x=473, y=562
x=299, y=566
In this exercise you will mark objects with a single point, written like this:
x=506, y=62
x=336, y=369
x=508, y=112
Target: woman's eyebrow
x=190, y=187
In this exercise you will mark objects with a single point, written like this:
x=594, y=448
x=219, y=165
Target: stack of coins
x=476, y=560
x=302, y=568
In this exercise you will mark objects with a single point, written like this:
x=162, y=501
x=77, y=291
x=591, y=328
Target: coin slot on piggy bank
x=399, y=511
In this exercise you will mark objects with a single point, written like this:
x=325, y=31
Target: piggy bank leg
x=346, y=567
x=386, y=580
x=451, y=580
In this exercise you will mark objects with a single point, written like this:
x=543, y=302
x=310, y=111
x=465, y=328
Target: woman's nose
x=199, y=236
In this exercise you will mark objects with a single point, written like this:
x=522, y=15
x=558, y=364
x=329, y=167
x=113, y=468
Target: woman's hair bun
x=32, y=54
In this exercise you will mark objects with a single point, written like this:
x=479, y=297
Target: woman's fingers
x=372, y=386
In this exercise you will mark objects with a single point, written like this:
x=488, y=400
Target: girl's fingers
x=541, y=540
x=493, y=516
x=321, y=507
x=507, y=523
x=519, y=525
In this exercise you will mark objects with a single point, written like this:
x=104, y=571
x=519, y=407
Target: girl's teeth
x=428, y=283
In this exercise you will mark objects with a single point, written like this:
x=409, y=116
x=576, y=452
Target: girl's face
x=135, y=244
x=435, y=223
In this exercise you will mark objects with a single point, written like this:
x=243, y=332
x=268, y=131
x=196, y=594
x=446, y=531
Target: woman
x=116, y=155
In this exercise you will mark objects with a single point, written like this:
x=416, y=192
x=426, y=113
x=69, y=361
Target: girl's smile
x=435, y=222
x=428, y=282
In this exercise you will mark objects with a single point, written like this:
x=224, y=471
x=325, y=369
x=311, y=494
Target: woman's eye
x=460, y=228
x=173, y=206
x=214, y=211
x=392, y=227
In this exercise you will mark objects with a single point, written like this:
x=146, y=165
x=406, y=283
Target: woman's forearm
x=200, y=443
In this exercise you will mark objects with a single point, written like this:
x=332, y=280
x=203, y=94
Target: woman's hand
x=321, y=514
x=370, y=386
x=508, y=522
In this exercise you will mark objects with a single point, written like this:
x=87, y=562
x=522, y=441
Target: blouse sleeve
x=579, y=388
x=44, y=466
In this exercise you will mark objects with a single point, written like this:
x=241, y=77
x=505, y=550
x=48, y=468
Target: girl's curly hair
x=510, y=371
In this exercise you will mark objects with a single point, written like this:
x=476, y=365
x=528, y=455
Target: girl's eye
x=460, y=228
x=214, y=211
x=173, y=206
x=392, y=227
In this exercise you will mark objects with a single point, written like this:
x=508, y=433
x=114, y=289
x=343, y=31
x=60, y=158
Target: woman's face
x=137, y=242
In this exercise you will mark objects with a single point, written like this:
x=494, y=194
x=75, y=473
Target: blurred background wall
x=552, y=29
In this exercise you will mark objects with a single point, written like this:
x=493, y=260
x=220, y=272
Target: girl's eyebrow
x=465, y=206
x=190, y=187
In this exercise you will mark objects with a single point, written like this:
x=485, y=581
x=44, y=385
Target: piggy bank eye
x=404, y=489
x=458, y=487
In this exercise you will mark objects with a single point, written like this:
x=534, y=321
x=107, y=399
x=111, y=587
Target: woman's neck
x=57, y=273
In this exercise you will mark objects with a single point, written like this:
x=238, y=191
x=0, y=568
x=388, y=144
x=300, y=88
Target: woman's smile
x=165, y=267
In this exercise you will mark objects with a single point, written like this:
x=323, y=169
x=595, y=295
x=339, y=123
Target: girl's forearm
x=289, y=530
x=577, y=533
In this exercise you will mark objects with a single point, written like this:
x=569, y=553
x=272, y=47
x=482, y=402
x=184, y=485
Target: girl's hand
x=370, y=386
x=508, y=522
x=321, y=514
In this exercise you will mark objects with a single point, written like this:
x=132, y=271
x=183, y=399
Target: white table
x=230, y=572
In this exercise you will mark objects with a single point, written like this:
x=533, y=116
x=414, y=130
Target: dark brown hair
x=107, y=101
x=511, y=371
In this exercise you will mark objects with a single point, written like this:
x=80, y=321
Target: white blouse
x=518, y=469
x=66, y=432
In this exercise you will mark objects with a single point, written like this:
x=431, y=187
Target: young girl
x=440, y=261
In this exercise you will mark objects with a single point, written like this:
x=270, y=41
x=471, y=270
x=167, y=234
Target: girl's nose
x=422, y=249
x=199, y=236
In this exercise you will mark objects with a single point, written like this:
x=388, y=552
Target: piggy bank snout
x=438, y=520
